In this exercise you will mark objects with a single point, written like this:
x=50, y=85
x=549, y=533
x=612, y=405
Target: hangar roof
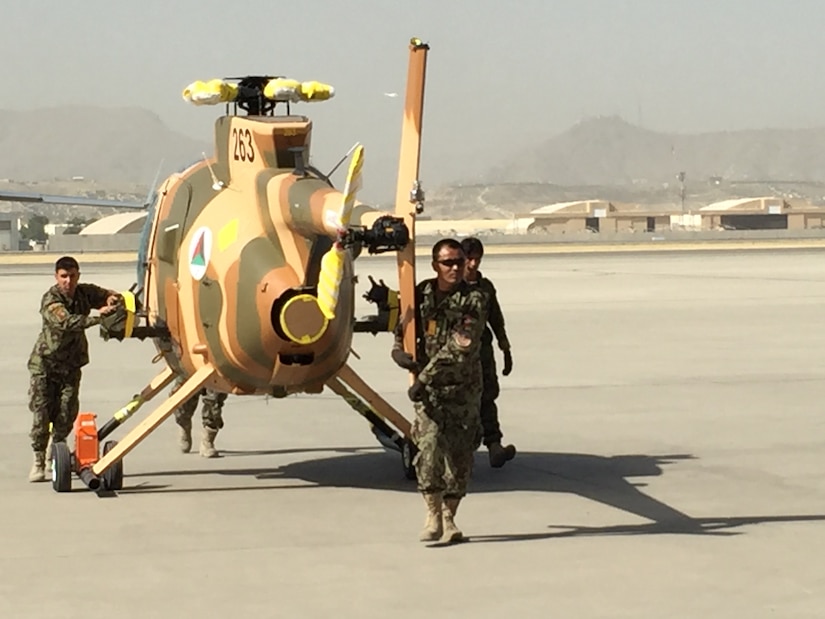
x=577, y=207
x=121, y=223
x=744, y=204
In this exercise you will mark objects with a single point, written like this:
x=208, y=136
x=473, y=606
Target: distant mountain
x=113, y=145
x=610, y=151
x=117, y=151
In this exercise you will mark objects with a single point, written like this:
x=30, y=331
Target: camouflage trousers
x=489, y=393
x=211, y=410
x=53, y=398
x=446, y=433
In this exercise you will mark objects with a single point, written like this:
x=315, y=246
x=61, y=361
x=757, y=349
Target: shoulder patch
x=58, y=311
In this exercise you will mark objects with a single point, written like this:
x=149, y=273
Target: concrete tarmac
x=667, y=412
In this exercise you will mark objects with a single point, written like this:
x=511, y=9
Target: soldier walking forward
x=59, y=353
x=447, y=388
x=494, y=324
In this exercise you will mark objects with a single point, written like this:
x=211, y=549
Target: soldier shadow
x=609, y=480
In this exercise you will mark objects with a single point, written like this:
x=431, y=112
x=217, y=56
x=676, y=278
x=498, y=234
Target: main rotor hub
x=257, y=95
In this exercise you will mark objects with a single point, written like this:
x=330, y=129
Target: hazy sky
x=501, y=75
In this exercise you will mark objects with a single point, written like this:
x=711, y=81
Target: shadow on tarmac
x=604, y=479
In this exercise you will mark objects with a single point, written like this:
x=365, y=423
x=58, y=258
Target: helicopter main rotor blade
x=44, y=198
x=408, y=197
x=332, y=263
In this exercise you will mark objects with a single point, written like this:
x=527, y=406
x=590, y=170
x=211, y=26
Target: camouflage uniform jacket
x=494, y=315
x=448, y=336
x=62, y=346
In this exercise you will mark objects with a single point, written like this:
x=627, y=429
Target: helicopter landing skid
x=378, y=412
x=155, y=418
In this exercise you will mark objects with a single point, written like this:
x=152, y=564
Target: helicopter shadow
x=608, y=480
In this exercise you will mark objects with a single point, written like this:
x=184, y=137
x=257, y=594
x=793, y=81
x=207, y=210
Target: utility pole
x=681, y=177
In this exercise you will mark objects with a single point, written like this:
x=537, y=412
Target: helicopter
x=245, y=270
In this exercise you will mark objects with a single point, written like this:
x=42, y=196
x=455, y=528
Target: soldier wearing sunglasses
x=447, y=388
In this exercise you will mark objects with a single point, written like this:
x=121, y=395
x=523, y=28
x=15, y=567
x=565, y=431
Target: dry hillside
x=117, y=151
x=608, y=158
x=111, y=145
x=610, y=151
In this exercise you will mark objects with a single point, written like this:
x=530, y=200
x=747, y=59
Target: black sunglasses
x=452, y=262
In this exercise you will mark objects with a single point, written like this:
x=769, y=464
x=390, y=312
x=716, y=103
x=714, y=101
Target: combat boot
x=432, y=526
x=451, y=533
x=38, y=472
x=207, y=449
x=497, y=455
x=185, y=437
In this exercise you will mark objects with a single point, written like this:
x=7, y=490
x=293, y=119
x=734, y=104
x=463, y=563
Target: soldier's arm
x=496, y=319
x=403, y=358
x=98, y=297
x=465, y=339
x=56, y=315
x=398, y=332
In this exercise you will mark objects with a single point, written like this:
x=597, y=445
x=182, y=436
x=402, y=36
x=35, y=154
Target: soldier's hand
x=508, y=363
x=404, y=359
x=416, y=392
x=107, y=309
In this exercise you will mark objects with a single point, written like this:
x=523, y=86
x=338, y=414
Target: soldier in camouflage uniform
x=210, y=417
x=59, y=353
x=494, y=324
x=447, y=388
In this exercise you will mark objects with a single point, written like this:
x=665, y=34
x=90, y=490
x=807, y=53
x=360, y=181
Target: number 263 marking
x=243, y=149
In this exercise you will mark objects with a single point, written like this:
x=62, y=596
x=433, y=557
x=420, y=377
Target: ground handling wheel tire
x=408, y=452
x=113, y=477
x=61, y=467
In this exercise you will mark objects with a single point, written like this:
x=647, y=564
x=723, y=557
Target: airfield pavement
x=667, y=408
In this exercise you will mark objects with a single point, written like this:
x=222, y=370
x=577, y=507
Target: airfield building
x=9, y=232
x=767, y=213
x=595, y=216
x=120, y=232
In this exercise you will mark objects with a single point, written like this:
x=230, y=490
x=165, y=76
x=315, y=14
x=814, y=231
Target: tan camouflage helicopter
x=245, y=272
